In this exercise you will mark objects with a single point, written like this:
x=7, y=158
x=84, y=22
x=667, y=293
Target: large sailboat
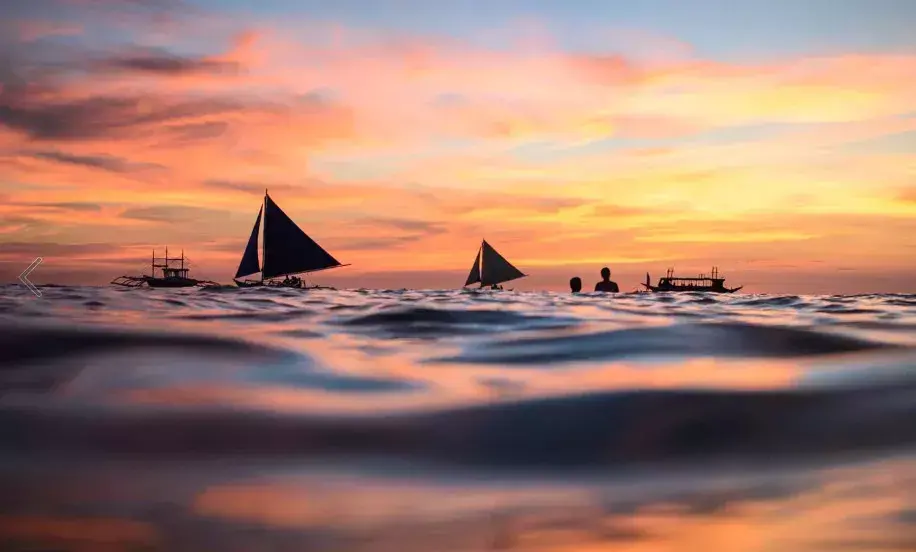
x=287, y=251
x=491, y=269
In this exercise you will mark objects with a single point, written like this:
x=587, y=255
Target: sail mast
x=264, y=233
x=480, y=256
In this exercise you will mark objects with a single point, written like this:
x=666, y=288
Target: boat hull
x=672, y=289
x=172, y=282
x=279, y=284
x=140, y=281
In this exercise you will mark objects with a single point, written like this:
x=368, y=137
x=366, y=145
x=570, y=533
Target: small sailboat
x=491, y=269
x=286, y=252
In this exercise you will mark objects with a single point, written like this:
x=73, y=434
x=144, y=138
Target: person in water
x=575, y=284
x=606, y=285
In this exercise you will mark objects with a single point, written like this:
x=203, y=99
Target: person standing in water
x=575, y=284
x=606, y=285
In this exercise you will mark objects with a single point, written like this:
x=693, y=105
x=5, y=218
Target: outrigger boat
x=702, y=283
x=172, y=276
x=491, y=269
x=286, y=252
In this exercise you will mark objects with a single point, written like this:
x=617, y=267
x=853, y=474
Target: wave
x=289, y=341
x=594, y=431
x=21, y=343
x=723, y=339
x=424, y=321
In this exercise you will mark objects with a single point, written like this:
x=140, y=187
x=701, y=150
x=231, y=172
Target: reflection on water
x=233, y=505
x=361, y=420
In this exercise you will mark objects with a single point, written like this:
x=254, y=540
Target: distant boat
x=172, y=276
x=286, y=251
x=711, y=284
x=491, y=269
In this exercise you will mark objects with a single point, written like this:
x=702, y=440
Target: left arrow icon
x=24, y=277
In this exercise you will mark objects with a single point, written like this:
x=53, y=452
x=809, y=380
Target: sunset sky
x=775, y=139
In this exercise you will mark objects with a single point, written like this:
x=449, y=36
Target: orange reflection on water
x=691, y=373
x=443, y=385
x=74, y=533
x=275, y=399
x=852, y=509
x=356, y=502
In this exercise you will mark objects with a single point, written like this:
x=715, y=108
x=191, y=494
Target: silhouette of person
x=575, y=284
x=606, y=285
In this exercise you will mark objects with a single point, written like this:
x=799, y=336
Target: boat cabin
x=171, y=272
x=167, y=269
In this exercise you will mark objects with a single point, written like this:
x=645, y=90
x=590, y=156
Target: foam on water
x=443, y=420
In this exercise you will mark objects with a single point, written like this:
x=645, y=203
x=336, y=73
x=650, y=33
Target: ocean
x=361, y=420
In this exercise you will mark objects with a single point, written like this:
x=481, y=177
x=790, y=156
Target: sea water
x=276, y=419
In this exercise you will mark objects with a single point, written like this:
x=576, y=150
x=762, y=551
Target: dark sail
x=287, y=249
x=474, y=276
x=249, y=264
x=496, y=269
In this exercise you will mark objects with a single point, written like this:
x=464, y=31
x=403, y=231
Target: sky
x=773, y=139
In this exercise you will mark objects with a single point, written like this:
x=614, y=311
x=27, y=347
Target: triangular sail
x=250, y=264
x=474, y=276
x=287, y=249
x=496, y=269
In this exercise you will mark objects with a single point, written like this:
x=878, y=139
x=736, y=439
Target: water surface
x=278, y=419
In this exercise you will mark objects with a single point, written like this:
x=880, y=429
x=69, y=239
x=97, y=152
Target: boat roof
x=693, y=278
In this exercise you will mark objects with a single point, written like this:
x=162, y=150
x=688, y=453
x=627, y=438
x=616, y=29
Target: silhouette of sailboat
x=491, y=269
x=287, y=251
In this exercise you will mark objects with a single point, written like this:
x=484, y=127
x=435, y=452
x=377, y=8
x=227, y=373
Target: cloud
x=462, y=202
x=258, y=188
x=608, y=69
x=688, y=236
x=193, y=132
x=52, y=249
x=170, y=213
x=28, y=30
x=100, y=116
x=104, y=162
x=377, y=244
x=386, y=233
x=67, y=205
x=612, y=210
x=409, y=225
x=164, y=63
x=908, y=195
